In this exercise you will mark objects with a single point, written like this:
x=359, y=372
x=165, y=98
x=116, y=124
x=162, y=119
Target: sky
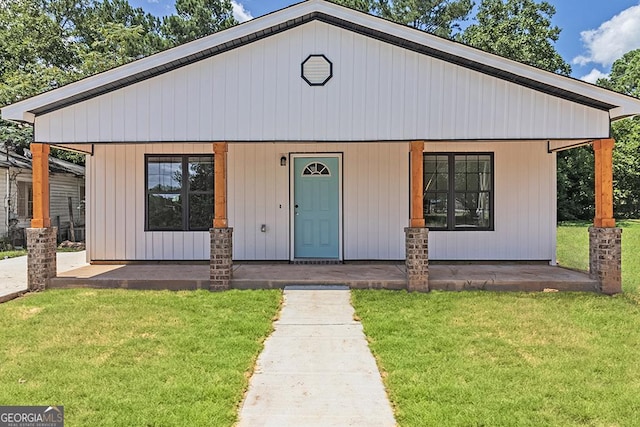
x=594, y=32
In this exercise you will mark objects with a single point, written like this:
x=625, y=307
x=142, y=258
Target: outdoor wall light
x=283, y=161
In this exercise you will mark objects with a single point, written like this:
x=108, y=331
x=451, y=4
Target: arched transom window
x=316, y=168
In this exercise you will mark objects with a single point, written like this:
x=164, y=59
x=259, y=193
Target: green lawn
x=131, y=358
x=513, y=359
x=490, y=359
x=12, y=253
x=573, y=250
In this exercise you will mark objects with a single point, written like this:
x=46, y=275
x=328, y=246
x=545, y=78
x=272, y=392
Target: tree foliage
x=197, y=18
x=45, y=44
x=435, y=16
x=520, y=30
x=440, y=17
x=625, y=78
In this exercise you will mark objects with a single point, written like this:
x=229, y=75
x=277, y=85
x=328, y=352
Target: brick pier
x=417, y=258
x=221, y=267
x=605, y=258
x=41, y=257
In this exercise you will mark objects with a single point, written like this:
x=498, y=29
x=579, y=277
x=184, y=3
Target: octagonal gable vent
x=317, y=70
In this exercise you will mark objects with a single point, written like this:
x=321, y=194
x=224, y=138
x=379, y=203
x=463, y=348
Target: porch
x=456, y=277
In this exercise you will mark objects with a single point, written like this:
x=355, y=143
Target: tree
x=45, y=44
x=440, y=17
x=435, y=16
x=625, y=78
x=520, y=30
x=197, y=18
x=362, y=5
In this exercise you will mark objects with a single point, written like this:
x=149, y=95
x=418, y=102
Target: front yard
x=489, y=359
x=130, y=358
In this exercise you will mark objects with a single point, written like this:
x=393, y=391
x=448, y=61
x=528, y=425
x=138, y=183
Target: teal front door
x=316, y=213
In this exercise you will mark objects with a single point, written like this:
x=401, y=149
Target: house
x=322, y=133
x=16, y=192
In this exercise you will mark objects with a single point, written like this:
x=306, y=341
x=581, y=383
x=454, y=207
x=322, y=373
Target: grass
x=12, y=253
x=573, y=250
x=490, y=359
x=23, y=252
x=131, y=358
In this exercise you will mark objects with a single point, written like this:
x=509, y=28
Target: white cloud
x=240, y=13
x=153, y=1
x=593, y=76
x=612, y=39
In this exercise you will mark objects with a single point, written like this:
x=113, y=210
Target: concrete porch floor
x=454, y=277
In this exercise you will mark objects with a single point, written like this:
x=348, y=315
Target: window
x=316, y=169
x=179, y=193
x=25, y=199
x=458, y=191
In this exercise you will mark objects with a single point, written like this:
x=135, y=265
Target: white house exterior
x=286, y=95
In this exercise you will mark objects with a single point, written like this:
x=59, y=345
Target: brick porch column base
x=417, y=258
x=221, y=262
x=41, y=257
x=605, y=258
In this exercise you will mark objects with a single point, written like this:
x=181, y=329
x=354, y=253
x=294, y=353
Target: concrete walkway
x=13, y=271
x=316, y=368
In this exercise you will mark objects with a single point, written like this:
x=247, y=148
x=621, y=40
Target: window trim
x=451, y=190
x=184, y=192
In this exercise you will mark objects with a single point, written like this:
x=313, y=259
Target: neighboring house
x=320, y=132
x=16, y=192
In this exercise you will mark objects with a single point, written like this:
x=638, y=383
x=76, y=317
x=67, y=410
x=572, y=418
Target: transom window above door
x=316, y=168
x=458, y=191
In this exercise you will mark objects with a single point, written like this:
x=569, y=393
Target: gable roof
x=618, y=105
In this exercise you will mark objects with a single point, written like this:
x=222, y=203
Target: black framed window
x=179, y=192
x=458, y=191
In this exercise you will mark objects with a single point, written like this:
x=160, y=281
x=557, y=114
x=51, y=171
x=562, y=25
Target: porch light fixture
x=283, y=161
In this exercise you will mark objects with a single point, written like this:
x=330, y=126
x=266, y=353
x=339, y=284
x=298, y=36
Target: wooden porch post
x=220, y=185
x=605, y=240
x=417, y=185
x=41, y=237
x=603, y=150
x=221, y=263
x=417, y=235
x=40, y=164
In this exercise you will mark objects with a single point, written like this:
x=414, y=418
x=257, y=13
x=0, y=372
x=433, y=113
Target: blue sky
x=594, y=32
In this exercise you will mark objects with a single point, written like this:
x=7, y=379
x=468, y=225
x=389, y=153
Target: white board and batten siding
x=375, y=199
x=378, y=92
x=116, y=207
x=375, y=202
x=524, y=206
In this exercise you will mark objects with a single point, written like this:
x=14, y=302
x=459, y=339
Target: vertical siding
x=375, y=203
x=375, y=199
x=378, y=92
x=524, y=206
x=116, y=204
